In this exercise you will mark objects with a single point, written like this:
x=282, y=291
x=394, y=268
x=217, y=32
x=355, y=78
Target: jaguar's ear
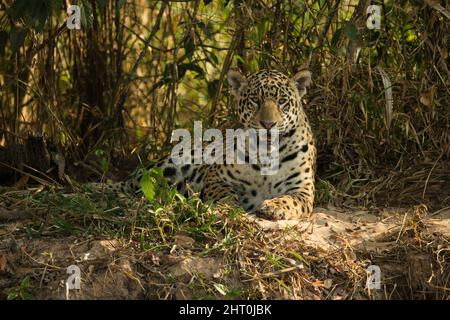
x=236, y=81
x=302, y=80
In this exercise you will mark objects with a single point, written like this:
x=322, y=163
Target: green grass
x=22, y=291
x=152, y=222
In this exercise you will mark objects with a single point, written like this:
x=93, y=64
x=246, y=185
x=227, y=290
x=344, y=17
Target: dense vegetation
x=138, y=69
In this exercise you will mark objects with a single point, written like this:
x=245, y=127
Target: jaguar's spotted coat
x=265, y=99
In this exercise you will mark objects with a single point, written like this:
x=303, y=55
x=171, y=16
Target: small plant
x=155, y=187
x=103, y=159
x=21, y=292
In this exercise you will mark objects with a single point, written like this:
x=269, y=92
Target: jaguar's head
x=269, y=99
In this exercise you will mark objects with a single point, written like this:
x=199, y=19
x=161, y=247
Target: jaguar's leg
x=290, y=206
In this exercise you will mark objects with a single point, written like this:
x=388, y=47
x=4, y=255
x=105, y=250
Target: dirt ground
x=323, y=257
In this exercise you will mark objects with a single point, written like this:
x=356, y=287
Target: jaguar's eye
x=282, y=101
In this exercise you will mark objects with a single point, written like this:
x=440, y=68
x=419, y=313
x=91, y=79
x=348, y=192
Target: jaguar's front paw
x=271, y=210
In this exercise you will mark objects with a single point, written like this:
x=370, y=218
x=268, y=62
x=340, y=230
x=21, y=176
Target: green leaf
x=39, y=15
x=63, y=138
x=34, y=13
x=18, y=9
x=335, y=39
x=13, y=295
x=168, y=69
x=206, y=28
x=25, y=284
x=103, y=159
x=17, y=37
x=157, y=172
x=26, y=295
x=87, y=16
x=254, y=64
x=104, y=164
x=148, y=184
x=182, y=68
x=262, y=29
x=22, y=291
x=189, y=46
x=212, y=88
x=120, y=3
x=56, y=6
x=212, y=58
x=351, y=30
x=3, y=40
x=102, y=4
x=159, y=84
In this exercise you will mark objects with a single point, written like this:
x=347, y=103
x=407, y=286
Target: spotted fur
x=265, y=100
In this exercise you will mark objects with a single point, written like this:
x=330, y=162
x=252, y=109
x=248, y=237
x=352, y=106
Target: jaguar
x=265, y=100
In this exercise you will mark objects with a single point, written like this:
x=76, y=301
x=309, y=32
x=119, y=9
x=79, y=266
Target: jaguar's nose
x=268, y=124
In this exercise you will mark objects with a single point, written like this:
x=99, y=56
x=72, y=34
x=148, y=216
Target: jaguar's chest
x=252, y=186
